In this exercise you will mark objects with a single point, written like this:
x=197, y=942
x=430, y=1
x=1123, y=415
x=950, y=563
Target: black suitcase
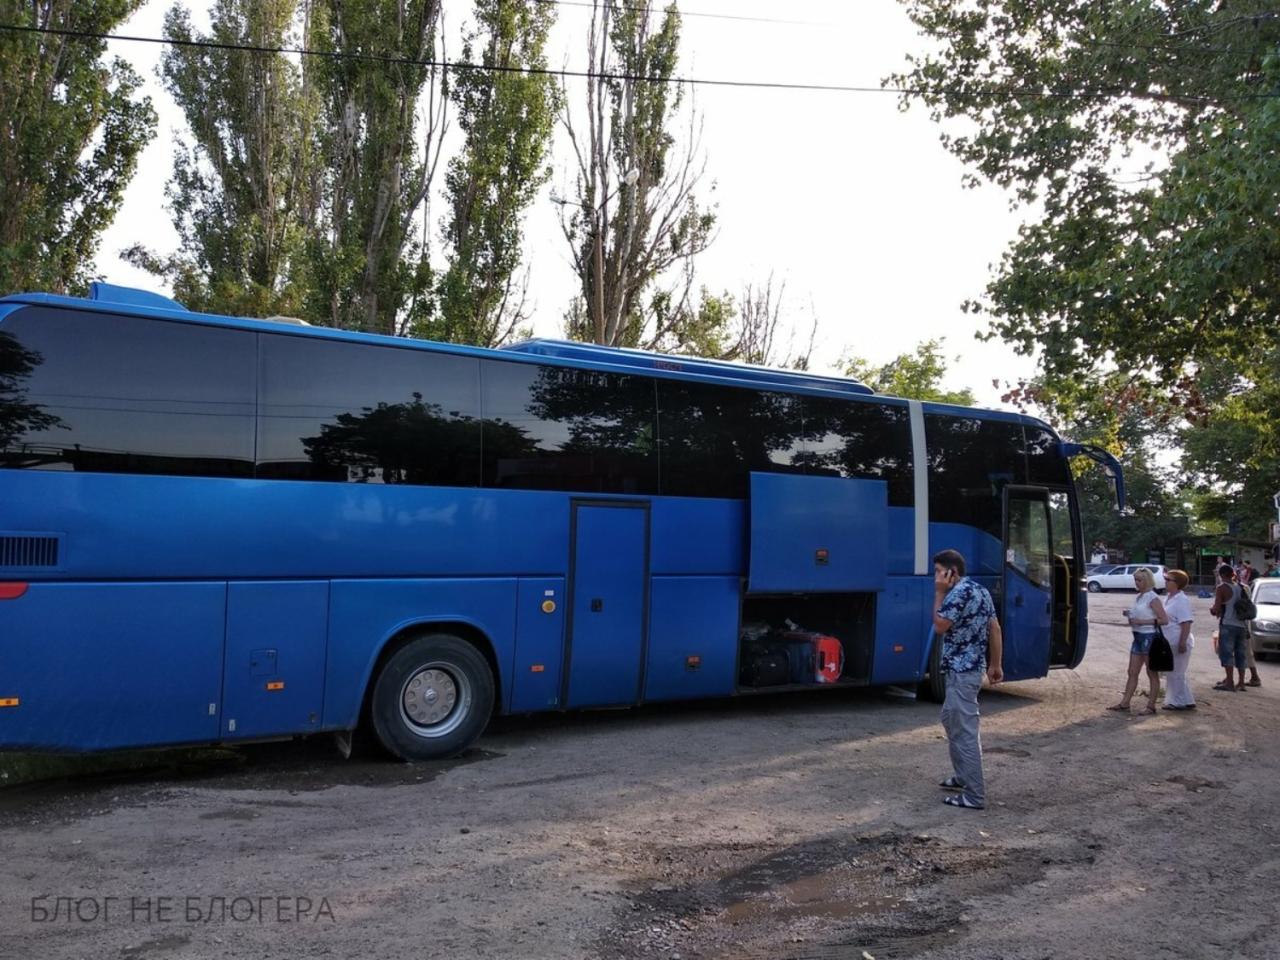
x=765, y=667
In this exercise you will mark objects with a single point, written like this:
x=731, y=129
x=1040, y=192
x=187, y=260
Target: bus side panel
x=539, y=649
x=903, y=617
x=264, y=529
x=274, y=674
x=365, y=614
x=98, y=666
x=696, y=536
x=982, y=552
x=693, y=637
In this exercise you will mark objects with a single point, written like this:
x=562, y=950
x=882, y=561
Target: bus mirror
x=1109, y=464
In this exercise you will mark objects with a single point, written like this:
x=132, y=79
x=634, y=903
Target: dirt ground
x=783, y=827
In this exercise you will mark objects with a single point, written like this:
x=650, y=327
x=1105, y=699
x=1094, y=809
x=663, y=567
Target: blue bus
x=216, y=529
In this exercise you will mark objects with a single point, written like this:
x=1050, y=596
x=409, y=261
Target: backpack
x=1243, y=607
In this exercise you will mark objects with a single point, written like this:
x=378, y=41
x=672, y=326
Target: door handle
x=596, y=605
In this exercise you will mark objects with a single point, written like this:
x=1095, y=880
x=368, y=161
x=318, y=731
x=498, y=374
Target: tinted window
x=970, y=461
x=1045, y=463
x=550, y=428
x=113, y=394
x=357, y=413
x=712, y=437
x=866, y=440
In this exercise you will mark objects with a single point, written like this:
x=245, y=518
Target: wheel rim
x=435, y=699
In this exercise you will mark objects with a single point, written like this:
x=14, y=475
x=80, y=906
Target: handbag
x=1160, y=656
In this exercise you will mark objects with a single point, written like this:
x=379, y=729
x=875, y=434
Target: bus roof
x=106, y=297
x=649, y=360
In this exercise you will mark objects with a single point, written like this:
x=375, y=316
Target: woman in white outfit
x=1177, y=606
x=1146, y=616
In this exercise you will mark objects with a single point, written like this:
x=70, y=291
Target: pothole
x=741, y=901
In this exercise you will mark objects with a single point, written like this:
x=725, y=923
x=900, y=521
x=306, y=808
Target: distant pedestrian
x=1145, y=618
x=1233, y=633
x=964, y=620
x=1272, y=569
x=1247, y=573
x=1177, y=607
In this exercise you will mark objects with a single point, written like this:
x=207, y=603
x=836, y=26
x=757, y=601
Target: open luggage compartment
x=779, y=645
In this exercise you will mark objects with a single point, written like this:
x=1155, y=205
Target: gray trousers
x=960, y=721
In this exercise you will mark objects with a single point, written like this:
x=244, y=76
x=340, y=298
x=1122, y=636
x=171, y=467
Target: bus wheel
x=433, y=698
x=934, y=685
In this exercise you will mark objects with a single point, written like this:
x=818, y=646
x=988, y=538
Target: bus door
x=609, y=542
x=1027, y=594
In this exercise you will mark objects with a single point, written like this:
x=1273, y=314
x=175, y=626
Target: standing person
x=1247, y=573
x=1233, y=635
x=1177, y=607
x=1145, y=618
x=964, y=618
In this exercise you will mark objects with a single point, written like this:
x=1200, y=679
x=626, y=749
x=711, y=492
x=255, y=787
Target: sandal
x=952, y=783
x=1240, y=689
x=1119, y=707
x=964, y=801
x=1151, y=709
x=1224, y=687
x=1255, y=682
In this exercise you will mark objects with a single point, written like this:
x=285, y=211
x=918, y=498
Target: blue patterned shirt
x=969, y=608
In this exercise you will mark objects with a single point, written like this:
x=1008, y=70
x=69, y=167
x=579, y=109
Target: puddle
x=824, y=896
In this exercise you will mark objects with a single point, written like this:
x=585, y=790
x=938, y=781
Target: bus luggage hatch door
x=607, y=604
x=1027, y=595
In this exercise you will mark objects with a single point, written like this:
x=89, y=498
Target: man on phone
x=964, y=618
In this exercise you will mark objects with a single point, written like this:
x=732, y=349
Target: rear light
x=12, y=591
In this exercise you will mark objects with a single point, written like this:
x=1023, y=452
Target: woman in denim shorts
x=1146, y=616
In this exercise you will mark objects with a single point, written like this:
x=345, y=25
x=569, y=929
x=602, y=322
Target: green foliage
x=506, y=118
x=367, y=268
x=71, y=129
x=636, y=216
x=1161, y=269
x=243, y=193
x=916, y=376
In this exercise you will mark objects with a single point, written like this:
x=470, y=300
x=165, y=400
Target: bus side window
x=109, y=393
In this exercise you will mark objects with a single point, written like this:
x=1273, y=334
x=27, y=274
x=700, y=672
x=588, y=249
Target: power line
x=689, y=13
x=1009, y=92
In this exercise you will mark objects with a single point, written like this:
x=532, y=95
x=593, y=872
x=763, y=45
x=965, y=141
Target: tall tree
x=507, y=117
x=369, y=270
x=636, y=214
x=1163, y=270
x=917, y=376
x=71, y=128
x=244, y=192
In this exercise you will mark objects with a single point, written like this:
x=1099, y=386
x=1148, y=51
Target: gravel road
x=802, y=826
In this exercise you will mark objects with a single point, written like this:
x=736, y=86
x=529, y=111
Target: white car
x=1265, y=628
x=1121, y=577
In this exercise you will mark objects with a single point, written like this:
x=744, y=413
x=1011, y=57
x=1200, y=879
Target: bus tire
x=432, y=698
x=934, y=685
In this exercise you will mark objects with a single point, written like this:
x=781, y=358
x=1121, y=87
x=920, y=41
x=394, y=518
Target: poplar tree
x=636, y=215
x=71, y=128
x=369, y=269
x=507, y=117
x=243, y=195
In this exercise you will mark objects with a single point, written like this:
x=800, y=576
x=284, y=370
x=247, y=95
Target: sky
x=852, y=203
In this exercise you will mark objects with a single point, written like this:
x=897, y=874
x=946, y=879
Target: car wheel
x=433, y=698
x=1095, y=586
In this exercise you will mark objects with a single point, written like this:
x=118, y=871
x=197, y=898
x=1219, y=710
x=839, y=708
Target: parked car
x=1121, y=577
x=1265, y=628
